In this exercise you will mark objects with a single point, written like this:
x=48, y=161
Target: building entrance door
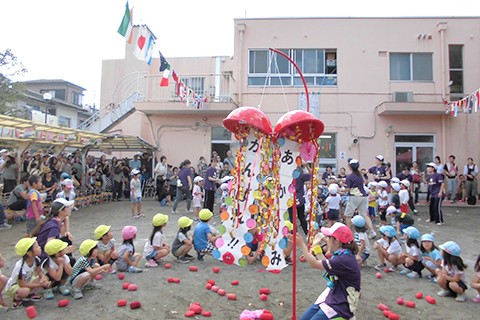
x=410, y=148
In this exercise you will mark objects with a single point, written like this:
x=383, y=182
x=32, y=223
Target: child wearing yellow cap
x=3, y=282
x=57, y=267
x=183, y=243
x=155, y=249
x=203, y=237
x=106, y=246
x=86, y=269
x=23, y=284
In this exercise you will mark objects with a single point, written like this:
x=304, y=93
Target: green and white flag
x=126, y=27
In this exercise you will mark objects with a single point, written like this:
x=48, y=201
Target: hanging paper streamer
x=27, y=132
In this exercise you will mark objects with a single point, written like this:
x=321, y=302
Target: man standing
x=147, y=163
x=135, y=163
x=451, y=172
x=470, y=171
x=230, y=160
x=209, y=185
x=184, y=186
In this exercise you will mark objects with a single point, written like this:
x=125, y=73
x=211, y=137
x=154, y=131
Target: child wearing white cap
x=197, y=195
x=332, y=205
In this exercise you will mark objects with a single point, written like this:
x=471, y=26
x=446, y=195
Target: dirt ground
x=163, y=300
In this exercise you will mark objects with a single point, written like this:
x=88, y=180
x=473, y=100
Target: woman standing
x=50, y=184
x=117, y=168
x=342, y=271
x=10, y=171
x=380, y=170
x=436, y=188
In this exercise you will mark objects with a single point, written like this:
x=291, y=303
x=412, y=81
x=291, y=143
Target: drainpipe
x=374, y=125
x=442, y=26
x=241, y=28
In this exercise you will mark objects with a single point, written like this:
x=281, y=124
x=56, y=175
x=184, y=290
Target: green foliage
x=9, y=90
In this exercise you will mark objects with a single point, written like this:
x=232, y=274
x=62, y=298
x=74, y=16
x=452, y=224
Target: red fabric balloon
x=132, y=287
x=31, y=312
x=190, y=314
x=234, y=282
x=264, y=291
x=206, y=314
x=192, y=268
x=125, y=285
x=135, y=305
x=231, y=296
x=222, y=292
x=410, y=304
x=382, y=307
x=63, y=303
x=121, y=303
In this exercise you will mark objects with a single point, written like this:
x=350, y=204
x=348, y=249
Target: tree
x=9, y=90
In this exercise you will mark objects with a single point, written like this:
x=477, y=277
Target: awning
x=122, y=143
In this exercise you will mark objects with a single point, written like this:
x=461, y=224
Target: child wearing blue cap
x=432, y=258
x=412, y=257
x=361, y=239
x=388, y=248
x=452, y=276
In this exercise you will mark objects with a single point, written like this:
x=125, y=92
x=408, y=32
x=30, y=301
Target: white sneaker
x=461, y=298
x=439, y=224
x=413, y=275
x=428, y=220
x=392, y=269
x=405, y=271
x=373, y=234
x=5, y=226
x=190, y=211
x=443, y=293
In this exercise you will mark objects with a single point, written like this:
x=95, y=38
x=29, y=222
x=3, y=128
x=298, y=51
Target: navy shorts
x=333, y=214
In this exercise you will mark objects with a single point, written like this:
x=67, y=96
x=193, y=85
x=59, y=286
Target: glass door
x=410, y=148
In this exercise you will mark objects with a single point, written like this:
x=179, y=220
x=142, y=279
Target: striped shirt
x=80, y=266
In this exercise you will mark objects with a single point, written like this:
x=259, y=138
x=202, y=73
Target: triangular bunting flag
x=163, y=63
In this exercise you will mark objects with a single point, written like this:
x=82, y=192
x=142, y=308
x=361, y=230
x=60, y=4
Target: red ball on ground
x=31, y=312
x=264, y=291
x=303, y=259
x=98, y=277
x=135, y=305
x=430, y=300
x=215, y=289
x=121, y=276
x=382, y=307
x=410, y=304
x=379, y=275
x=387, y=270
x=192, y=268
x=234, y=283
x=168, y=266
x=400, y=301
x=222, y=292
x=209, y=286
x=266, y=315
x=231, y=296
x=125, y=285
x=211, y=282
x=190, y=314
x=216, y=270
x=206, y=314
x=419, y=295
x=263, y=297
x=170, y=279
x=121, y=303
x=176, y=280
x=386, y=313
x=196, y=308
x=63, y=303
x=393, y=316
x=132, y=287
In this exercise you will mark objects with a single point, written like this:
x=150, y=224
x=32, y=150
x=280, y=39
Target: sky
x=59, y=39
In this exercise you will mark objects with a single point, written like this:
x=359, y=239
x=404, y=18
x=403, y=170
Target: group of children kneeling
x=30, y=274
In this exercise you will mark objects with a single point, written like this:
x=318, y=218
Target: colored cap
x=101, y=231
x=396, y=186
x=65, y=175
x=412, y=232
x=432, y=164
x=339, y=231
x=389, y=231
x=47, y=170
x=64, y=202
x=391, y=209
x=350, y=161
x=406, y=183
x=451, y=247
x=197, y=179
x=91, y=170
x=383, y=184
x=159, y=219
x=54, y=246
x=289, y=225
x=11, y=154
x=22, y=246
x=427, y=237
x=205, y=214
x=3, y=150
x=86, y=246
x=358, y=221
x=395, y=180
x=224, y=186
x=379, y=157
x=184, y=222
x=134, y=172
x=129, y=232
x=67, y=183
x=333, y=188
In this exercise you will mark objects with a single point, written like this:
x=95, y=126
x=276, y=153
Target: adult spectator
x=209, y=185
x=161, y=169
x=3, y=154
x=78, y=166
x=436, y=188
x=36, y=159
x=355, y=187
x=117, y=179
x=172, y=181
x=202, y=167
x=43, y=163
x=18, y=197
x=470, y=171
x=49, y=183
x=24, y=161
x=135, y=163
x=380, y=170
x=147, y=163
x=300, y=199
x=184, y=187
x=406, y=175
x=451, y=171
x=3, y=216
x=327, y=174
x=10, y=171
x=219, y=165
x=342, y=175
x=105, y=165
x=230, y=160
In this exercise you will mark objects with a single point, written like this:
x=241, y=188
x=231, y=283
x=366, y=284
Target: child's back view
x=203, y=237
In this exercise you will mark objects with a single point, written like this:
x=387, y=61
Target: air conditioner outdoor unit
x=402, y=96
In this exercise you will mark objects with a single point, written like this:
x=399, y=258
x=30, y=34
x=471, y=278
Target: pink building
x=378, y=84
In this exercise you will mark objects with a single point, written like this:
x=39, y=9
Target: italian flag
x=126, y=27
x=166, y=75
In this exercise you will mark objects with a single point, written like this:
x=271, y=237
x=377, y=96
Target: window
x=327, y=151
x=221, y=134
x=411, y=66
x=197, y=84
x=64, y=121
x=77, y=98
x=455, y=53
x=271, y=69
x=57, y=93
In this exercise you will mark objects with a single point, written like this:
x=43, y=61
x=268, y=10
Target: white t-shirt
x=440, y=168
x=403, y=195
x=102, y=248
x=359, y=236
x=381, y=202
x=333, y=201
x=414, y=251
x=51, y=264
x=27, y=272
x=196, y=189
x=136, y=185
x=394, y=247
x=157, y=242
x=453, y=270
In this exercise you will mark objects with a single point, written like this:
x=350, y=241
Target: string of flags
x=143, y=50
x=43, y=135
x=469, y=104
